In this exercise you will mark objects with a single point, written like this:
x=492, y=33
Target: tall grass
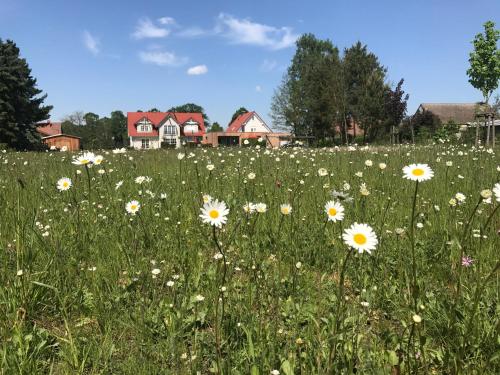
x=78, y=295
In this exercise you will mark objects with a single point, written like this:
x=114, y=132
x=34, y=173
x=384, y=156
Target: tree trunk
x=487, y=124
x=477, y=133
x=493, y=135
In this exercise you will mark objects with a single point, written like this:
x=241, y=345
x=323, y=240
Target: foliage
x=192, y=108
x=21, y=102
x=238, y=112
x=215, y=127
x=90, y=289
x=323, y=94
x=484, y=71
x=107, y=132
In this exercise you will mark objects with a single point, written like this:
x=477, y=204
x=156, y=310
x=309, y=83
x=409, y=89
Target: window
x=144, y=126
x=253, y=129
x=145, y=143
x=170, y=130
x=171, y=141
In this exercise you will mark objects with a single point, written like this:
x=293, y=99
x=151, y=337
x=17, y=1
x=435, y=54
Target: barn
x=52, y=136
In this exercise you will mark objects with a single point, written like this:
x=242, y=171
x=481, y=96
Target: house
x=156, y=129
x=247, y=126
x=459, y=113
x=53, y=137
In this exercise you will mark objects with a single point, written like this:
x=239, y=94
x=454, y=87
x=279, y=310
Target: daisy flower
x=334, y=211
x=496, y=191
x=360, y=237
x=286, y=209
x=64, y=184
x=322, y=172
x=249, y=208
x=418, y=172
x=87, y=158
x=214, y=213
x=98, y=159
x=132, y=207
x=261, y=208
x=206, y=198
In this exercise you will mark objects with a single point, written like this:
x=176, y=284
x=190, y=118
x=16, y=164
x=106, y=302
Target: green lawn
x=88, y=288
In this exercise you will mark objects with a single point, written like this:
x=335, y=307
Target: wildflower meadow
x=368, y=260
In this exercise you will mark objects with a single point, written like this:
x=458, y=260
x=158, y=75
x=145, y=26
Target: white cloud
x=193, y=32
x=244, y=31
x=258, y=88
x=146, y=29
x=166, y=21
x=197, y=70
x=268, y=65
x=162, y=58
x=91, y=43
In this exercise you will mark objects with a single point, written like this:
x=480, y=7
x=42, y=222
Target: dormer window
x=190, y=127
x=144, y=126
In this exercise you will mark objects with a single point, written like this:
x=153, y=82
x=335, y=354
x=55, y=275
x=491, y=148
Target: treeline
x=97, y=133
x=329, y=96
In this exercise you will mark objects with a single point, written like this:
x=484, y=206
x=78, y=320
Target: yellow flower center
x=418, y=172
x=332, y=211
x=65, y=184
x=133, y=207
x=214, y=214
x=360, y=239
x=285, y=210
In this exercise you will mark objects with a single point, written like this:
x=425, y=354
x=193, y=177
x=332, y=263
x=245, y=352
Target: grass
x=78, y=295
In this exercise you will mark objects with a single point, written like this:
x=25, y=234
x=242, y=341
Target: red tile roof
x=157, y=118
x=49, y=128
x=239, y=122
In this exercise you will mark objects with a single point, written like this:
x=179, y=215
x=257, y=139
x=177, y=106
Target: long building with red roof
x=149, y=130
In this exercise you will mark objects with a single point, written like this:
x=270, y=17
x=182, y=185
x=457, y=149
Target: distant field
x=90, y=287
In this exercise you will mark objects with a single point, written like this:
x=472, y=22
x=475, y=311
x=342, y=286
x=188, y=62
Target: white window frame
x=144, y=126
x=145, y=143
x=170, y=129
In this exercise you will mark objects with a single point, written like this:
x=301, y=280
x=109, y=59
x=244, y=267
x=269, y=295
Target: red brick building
x=52, y=136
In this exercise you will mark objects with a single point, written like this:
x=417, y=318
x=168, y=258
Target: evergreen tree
x=21, y=105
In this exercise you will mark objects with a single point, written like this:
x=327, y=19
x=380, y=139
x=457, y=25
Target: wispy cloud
x=268, y=65
x=258, y=88
x=195, y=31
x=197, y=70
x=91, y=42
x=244, y=31
x=147, y=29
x=166, y=21
x=162, y=58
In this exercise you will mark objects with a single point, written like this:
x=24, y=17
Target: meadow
x=114, y=271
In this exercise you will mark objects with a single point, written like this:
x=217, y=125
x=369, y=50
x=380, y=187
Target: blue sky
x=106, y=55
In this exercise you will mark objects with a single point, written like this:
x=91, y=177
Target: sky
x=101, y=56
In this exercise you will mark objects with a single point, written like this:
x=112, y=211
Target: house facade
x=247, y=126
x=152, y=130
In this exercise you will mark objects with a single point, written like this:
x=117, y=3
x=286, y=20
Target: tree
x=76, y=118
x=484, y=71
x=215, y=128
x=192, y=108
x=395, y=107
x=365, y=88
x=91, y=119
x=238, y=112
x=21, y=102
x=154, y=109
x=305, y=100
x=118, y=124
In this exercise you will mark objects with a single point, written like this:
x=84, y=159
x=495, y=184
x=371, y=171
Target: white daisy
x=496, y=191
x=249, y=208
x=98, y=159
x=334, y=211
x=64, y=184
x=214, y=213
x=87, y=158
x=418, y=172
x=261, y=208
x=286, y=209
x=322, y=172
x=206, y=198
x=360, y=237
x=132, y=207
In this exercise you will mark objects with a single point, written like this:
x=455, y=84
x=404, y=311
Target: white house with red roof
x=149, y=130
x=249, y=122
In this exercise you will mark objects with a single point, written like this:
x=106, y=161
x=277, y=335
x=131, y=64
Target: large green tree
x=21, y=102
x=192, y=108
x=484, y=71
x=215, y=128
x=238, y=112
